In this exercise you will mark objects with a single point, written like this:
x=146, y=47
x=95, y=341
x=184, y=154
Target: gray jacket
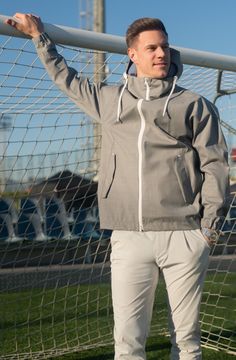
x=163, y=157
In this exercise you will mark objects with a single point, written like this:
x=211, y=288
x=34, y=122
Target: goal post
x=55, y=274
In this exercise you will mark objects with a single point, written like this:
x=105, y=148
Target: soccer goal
x=55, y=275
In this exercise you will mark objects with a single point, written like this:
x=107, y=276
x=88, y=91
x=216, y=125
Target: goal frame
x=116, y=44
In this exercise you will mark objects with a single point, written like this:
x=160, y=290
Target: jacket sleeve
x=77, y=88
x=210, y=144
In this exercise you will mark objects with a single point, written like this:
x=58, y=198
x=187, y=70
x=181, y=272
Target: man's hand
x=27, y=23
x=210, y=235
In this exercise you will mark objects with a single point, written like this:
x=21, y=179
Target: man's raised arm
x=75, y=86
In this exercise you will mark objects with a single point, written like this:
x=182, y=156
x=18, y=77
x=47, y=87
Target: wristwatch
x=211, y=234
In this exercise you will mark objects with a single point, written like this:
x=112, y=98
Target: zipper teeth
x=140, y=163
x=147, y=90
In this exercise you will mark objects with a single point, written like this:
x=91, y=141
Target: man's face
x=151, y=54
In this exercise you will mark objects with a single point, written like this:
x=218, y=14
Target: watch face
x=211, y=234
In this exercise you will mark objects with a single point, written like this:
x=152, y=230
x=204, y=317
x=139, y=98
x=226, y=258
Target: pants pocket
x=202, y=237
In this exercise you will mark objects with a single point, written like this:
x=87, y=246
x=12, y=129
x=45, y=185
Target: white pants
x=136, y=261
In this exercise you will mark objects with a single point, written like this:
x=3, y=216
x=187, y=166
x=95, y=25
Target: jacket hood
x=152, y=88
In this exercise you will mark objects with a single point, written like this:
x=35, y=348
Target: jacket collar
x=148, y=88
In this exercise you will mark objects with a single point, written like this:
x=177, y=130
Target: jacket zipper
x=140, y=166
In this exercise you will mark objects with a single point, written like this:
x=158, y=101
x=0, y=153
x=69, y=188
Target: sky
x=208, y=25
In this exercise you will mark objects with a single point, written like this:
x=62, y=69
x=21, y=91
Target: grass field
x=71, y=317
x=157, y=348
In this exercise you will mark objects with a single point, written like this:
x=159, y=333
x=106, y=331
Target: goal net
x=55, y=274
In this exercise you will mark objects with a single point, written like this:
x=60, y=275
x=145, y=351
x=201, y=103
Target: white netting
x=54, y=279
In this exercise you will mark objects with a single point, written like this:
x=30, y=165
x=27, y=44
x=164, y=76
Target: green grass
x=65, y=318
x=157, y=348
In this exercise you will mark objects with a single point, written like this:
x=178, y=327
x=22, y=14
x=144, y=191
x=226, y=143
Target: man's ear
x=132, y=54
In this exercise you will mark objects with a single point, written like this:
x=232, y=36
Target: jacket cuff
x=213, y=224
x=42, y=40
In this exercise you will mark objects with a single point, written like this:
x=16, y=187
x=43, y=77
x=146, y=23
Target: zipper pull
x=141, y=229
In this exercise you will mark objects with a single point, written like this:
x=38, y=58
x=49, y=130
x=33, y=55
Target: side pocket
x=110, y=175
x=183, y=179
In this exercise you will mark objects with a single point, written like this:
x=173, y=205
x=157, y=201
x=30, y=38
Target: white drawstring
x=120, y=97
x=147, y=95
x=169, y=96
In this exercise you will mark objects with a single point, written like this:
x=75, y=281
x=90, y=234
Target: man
x=163, y=182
